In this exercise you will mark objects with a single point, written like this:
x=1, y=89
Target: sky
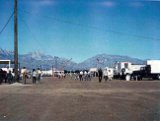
x=80, y=29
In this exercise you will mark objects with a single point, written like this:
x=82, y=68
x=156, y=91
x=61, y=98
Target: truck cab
x=126, y=69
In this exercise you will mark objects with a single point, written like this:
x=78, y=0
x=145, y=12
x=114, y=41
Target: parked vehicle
x=150, y=70
x=124, y=70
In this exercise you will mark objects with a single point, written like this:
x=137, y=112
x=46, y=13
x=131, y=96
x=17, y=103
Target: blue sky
x=80, y=29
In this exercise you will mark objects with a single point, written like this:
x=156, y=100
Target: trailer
x=8, y=65
x=150, y=70
x=124, y=70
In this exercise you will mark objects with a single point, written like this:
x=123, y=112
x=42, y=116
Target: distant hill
x=40, y=60
x=104, y=60
x=5, y=54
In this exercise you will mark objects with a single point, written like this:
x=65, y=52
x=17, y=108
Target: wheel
x=128, y=77
x=158, y=76
x=139, y=78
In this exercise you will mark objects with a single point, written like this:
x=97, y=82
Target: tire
x=140, y=78
x=128, y=77
x=158, y=76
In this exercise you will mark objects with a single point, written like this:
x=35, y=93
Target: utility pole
x=15, y=40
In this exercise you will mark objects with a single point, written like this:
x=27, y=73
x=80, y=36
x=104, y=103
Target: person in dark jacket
x=10, y=77
x=1, y=76
x=5, y=76
x=100, y=74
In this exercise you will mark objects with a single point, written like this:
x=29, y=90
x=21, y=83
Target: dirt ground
x=68, y=100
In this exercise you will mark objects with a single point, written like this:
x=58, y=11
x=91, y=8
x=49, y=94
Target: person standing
x=13, y=74
x=10, y=77
x=100, y=74
x=5, y=76
x=85, y=76
x=81, y=76
x=34, y=75
x=105, y=73
x=89, y=76
x=1, y=76
x=38, y=74
x=110, y=75
x=24, y=74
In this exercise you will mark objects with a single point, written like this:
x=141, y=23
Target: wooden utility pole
x=15, y=41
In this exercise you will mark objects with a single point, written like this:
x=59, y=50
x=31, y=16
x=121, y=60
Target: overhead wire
x=93, y=27
x=5, y=25
x=29, y=29
x=35, y=38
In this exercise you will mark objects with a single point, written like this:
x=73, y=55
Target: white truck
x=124, y=70
x=150, y=70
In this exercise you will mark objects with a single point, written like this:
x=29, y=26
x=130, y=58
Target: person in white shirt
x=85, y=76
x=81, y=76
x=34, y=75
x=110, y=75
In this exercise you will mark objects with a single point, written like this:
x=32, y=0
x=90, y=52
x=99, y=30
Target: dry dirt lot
x=69, y=100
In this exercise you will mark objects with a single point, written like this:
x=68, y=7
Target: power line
x=94, y=27
x=6, y=23
x=35, y=38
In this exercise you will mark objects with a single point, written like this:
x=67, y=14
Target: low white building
x=93, y=70
x=52, y=72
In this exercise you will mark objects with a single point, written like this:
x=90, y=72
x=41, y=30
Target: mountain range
x=40, y=60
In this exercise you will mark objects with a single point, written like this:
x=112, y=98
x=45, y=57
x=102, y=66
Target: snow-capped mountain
x=37, y=59
x=37, y=56
x=5, y=54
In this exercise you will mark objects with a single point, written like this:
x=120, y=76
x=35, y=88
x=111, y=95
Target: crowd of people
x=35, y=75
x=61, y=75
x=87, y=76
x=8, y=76
x=82, y=76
